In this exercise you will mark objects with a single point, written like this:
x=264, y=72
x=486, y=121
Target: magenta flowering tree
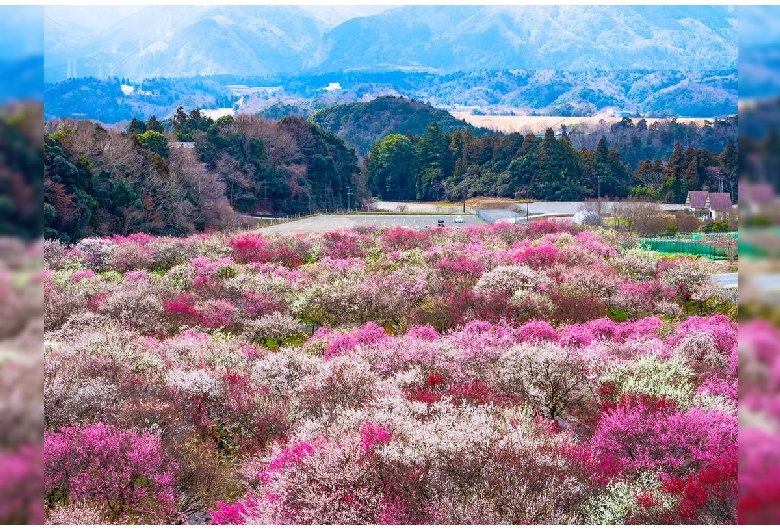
x=125, y=471
x=642, y=434
x=539, y=257
x=21, y=485
x=345, y=244
x=759, y=386
x=537, y=330
x=399, y=238
x=759, y=490
x=250, y=248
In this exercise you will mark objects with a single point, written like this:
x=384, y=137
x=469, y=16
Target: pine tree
x=728, y=161
x=136, y=127
x=672, y=186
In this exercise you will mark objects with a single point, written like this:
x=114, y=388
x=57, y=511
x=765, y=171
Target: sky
x=101, y=17
x=21, y=32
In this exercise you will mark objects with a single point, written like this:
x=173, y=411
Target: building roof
x=697, y=199
x=720, y=202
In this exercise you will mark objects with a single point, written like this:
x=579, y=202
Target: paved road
x=326, y=223
x=726, y=280
x=765, y=282
x=761, y=287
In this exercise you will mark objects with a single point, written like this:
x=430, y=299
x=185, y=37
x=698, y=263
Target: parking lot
x=326, y=223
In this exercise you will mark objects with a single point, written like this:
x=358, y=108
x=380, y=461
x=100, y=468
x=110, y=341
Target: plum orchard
x=505, y=374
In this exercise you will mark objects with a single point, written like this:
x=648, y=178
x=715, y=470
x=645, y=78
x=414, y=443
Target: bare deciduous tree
x=646, y=218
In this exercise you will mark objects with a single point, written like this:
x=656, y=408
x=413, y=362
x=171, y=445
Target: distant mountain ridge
x=544, y=92
x=464, y=38
x=181, y=41
x=176, y=41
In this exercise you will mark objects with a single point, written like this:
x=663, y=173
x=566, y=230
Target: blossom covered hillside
x=505, y=374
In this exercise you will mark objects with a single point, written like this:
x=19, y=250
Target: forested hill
x=21, y=161
x=439, y=165
x=360, y=125
x=101, y=182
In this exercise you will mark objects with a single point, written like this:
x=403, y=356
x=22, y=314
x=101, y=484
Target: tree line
x=454, y=166
x=21, y=161
x=100, y=181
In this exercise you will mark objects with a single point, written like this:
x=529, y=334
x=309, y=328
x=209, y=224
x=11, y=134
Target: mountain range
x=176, y=41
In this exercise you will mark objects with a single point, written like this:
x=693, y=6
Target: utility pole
x=598, y=178
x=526, y=205
x=349, y=196
x=111, y=70
x=70, y=71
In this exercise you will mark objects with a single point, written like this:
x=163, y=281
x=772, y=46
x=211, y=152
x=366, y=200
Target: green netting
x=686, y=247
x=701, y=236
x=751, y=250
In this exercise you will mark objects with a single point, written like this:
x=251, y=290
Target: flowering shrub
x=216, y=313
x=248, y=248
x=505, y=374
x=674, y=442
x=124, y=470
x=759, y=385
x=341, y=343
x=138, y=304
x=546, y=376
x=21, y=485
x=399, y=238
x=273, y=329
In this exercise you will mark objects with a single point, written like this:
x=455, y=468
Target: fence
x=689, y=247
x=702, y=236
x=750, y=249
x=485, y=217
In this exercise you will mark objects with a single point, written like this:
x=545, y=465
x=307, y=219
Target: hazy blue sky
x=99, y=18
x=759, y=25
x=21, y=31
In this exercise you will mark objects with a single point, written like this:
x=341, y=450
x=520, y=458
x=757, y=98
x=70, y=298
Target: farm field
x=538, y=124
x=514, y=374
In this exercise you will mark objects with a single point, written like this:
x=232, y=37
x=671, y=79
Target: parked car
x=440, y=222
x=459, y=219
